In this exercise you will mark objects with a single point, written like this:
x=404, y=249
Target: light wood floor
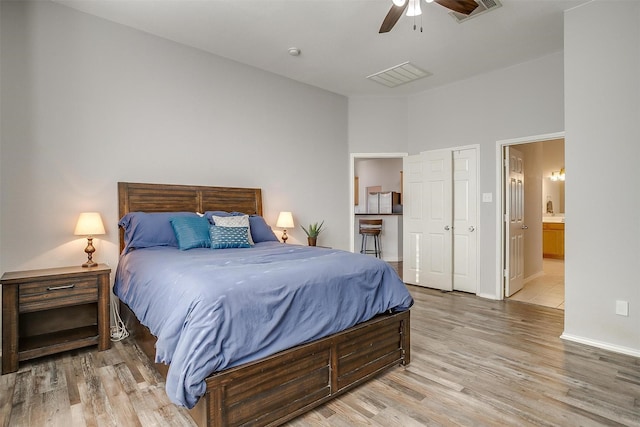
x=475, y=362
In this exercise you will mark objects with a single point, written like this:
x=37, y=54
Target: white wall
x=602, y=65
x=519, y=101
x=378, y=124
x=87, y=103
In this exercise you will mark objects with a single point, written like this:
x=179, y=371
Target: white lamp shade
x=89, y=224
x=285, y=220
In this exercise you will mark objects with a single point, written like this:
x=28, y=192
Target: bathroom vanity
x=553, y=237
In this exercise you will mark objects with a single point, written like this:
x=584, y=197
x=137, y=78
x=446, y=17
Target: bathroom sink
x=556, y=218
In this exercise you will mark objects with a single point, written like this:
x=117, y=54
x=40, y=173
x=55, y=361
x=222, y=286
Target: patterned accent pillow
x=191, y=232
x=229, y=237
x=234, y=221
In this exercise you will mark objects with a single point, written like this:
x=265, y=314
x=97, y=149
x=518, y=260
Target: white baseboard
x=603, y=345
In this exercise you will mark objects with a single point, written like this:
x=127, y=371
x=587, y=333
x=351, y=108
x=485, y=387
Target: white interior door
x=413, y=218
x=465, y=206
x=438, y=256
x=514, y=221
x=440, y=220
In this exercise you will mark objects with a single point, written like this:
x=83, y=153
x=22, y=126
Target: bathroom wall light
x=558, y=175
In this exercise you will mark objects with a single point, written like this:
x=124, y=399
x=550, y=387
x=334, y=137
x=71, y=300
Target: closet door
x=413, y=219
x=465, y=206
x=438, y=256
x=440, y=214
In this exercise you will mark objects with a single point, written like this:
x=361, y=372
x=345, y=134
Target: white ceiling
x=339, y=39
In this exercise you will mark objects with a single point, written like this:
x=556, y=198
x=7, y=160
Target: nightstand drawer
x=49, y=294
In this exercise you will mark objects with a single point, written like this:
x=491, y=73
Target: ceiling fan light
x=399, y=3
x=414, y=8
x=429, y=1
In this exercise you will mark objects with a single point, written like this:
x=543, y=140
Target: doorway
x=358, y=200
x=540, y=271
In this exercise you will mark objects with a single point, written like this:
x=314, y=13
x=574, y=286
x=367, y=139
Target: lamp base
x=90, y=250
x=284, y=236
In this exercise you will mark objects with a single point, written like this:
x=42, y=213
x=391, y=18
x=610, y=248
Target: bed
x=264, y=389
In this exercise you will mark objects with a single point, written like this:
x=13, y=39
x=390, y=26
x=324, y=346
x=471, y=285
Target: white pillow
x=234, y=221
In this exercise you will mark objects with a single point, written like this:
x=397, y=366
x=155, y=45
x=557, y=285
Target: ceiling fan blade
x=392, y=17
x=461, y=6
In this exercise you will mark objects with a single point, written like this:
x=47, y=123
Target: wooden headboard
x=136, y=197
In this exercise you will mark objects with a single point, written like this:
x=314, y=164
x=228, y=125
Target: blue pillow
x=191, y=232
x=260, y=230
x=228, y=237
x=143, y=230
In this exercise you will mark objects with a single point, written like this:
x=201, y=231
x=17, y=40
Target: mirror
x=553, y=191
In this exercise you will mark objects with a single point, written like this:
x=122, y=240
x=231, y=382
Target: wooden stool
x=373, y=228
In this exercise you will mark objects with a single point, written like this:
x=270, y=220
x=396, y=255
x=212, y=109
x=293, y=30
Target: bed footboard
x=285, y=385
x=278, y=388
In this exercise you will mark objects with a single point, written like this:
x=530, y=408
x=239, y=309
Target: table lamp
x=89, y=224
x=285, y=220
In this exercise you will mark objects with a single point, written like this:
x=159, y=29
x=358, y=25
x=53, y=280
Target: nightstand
x=52, y=310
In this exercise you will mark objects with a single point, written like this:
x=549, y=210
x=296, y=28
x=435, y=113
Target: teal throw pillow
x=191, y=232
x=229, y=237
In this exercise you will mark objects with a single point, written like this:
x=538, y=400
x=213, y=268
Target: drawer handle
x=57, y=288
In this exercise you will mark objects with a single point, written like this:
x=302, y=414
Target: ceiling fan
x=413, y=9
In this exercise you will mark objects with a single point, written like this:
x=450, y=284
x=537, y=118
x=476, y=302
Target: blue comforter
x=214, y=309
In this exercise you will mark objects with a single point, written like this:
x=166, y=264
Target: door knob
x=446, y=227
x=524, y=227
x=472, y=228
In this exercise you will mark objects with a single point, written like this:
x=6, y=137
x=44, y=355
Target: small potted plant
x=312, y=232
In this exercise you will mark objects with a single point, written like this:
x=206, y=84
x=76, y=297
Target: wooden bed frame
x=275, y=389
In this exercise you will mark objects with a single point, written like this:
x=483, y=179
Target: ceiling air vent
x=399, y=74
x=484, y=6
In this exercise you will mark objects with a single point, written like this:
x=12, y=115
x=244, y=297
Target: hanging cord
x=414, y=21
x=119, y=330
